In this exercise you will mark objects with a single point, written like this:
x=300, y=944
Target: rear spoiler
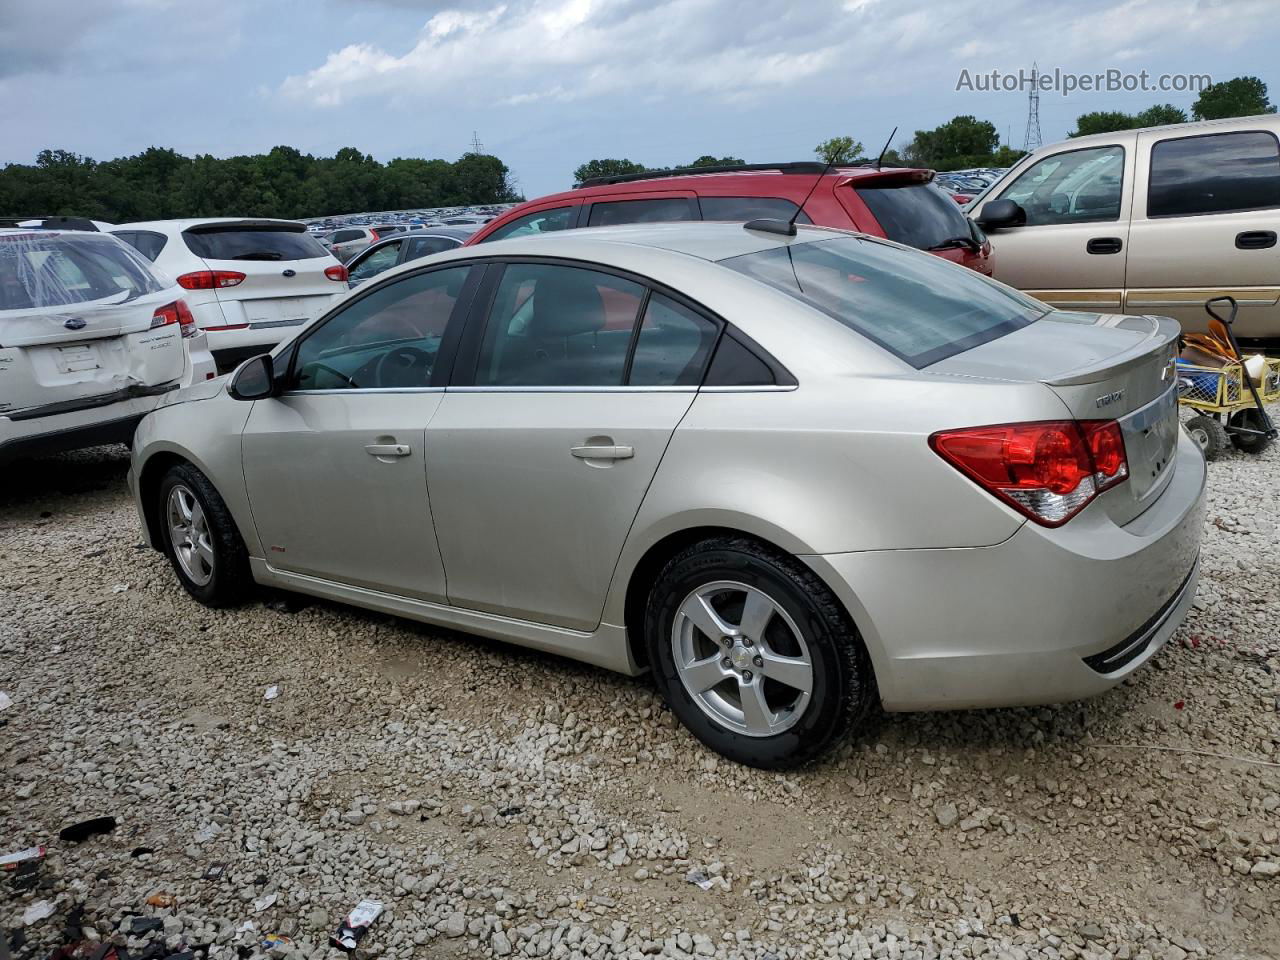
x=223, y=226
x=889, y=178
x=51, y=223
x=1164, y=334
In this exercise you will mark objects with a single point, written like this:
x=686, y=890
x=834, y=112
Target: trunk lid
x=1102, y=367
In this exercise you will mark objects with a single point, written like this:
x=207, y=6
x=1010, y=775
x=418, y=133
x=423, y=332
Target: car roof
x=1190, y=129
x=185, y=222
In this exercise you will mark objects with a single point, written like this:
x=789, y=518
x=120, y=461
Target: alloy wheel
x=189, y=535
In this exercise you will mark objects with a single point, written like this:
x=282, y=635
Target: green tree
x=606, y=168
x=706, y=160
x=963, y=141
x=1006, y=157
x=1159, y=115
x=1239, y=97
x=838, y=150
x=1102, y=121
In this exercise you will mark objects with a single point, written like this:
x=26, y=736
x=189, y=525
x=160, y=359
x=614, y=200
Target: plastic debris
x=207, y=832
x=356, y=925
x=36, y=912
x=247, y=927
x=215, y=871
x=263, y=902
x=1179, y=704
x=5, y=701
x=14, y=861
x=79, y=832
x=161, y=900
x=275, y=941
x=699, y=878
x=273, y=691
x=140, y=925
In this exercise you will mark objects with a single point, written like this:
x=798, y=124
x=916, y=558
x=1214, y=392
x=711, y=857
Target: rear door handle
x=1104, y=245
x=603, y=452
x=388, y=450
x=1255, y=240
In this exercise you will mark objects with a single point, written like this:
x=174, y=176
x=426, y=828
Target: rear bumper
x=112, y=422
x=1047, y=616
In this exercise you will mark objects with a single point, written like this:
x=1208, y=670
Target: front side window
x=917, y=307
x=919, y=215
x=1078, y=186
x=387, y=339
x=553, y=325
x=640, y=211
x=384, y=258
x=232, y=242
x=673, y=345
x=531, y=224
x=1219, y=173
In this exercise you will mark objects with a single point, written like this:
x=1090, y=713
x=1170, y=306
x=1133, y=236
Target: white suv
x=248, y=282
x=90, y=339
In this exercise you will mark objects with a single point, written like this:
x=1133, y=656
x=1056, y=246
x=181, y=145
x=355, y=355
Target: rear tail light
x=336, y=272
x=177, y=312
x=209, y=279
x=374, y=234
x=1048, y=471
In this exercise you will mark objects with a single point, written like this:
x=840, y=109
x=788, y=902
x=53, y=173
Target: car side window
x=148, y=243
x=425, y=246
x=386, y=339
x=750, y=208
x=1218, y=173
x=342, y=236
x=540, y=221
x=673, y=345
x=384, y=258
x=660, y=210
x=553, y=325
x=1077, y=186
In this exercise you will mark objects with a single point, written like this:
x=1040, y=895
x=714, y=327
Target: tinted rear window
x=1218, y=173
x=919, y=308
x=40, y=271
x=919, y=215
x=242, y=243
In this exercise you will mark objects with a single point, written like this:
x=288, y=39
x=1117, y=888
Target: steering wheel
x=395, y=364
x=337, y=373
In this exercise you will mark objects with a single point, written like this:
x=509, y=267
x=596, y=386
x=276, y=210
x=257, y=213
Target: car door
x=1206, y=216
x=1071, y=250
x=335, y=466
x=545, y=443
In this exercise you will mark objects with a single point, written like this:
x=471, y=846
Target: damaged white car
x=90, y=339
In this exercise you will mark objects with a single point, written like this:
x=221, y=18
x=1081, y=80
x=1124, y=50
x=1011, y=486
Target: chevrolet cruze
x=792, y=476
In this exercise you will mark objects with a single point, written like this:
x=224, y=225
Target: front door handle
x=613, y=451
x=388, y=450
x=1104, y=245
x=1255, y=240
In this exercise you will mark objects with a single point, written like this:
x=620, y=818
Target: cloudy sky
x=548, y=84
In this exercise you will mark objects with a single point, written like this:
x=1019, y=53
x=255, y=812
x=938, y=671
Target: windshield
x=253, y=243
x=919, y=308
x=919, y=215
x=42, y=270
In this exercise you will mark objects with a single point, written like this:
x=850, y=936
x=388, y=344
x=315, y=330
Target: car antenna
x=885, y=148
x=787, y=228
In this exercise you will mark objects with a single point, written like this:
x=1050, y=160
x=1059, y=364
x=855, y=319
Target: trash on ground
x=698, y=877
x=139, y=925
x=263, y=902
x=356, y=925
x=11, y=861
x=161, y=899
x=79, y=832
x=37, y=912
x=6, y=701
x=120, y=588
x=275, y=941
x=207, y=832
x=215, y=871
x=273, y=691
x=246, y=927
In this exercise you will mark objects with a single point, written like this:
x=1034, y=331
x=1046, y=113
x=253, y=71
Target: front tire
x=201, y=540
x=754, y=654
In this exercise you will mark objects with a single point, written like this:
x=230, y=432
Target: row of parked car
x=1150, y=221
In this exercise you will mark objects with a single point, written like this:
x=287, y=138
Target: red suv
x=900, y=204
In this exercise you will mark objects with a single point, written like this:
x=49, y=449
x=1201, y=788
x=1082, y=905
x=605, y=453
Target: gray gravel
x=508, y=804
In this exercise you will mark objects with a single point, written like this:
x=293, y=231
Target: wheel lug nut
x=746, y=676
x=728, y=642
x=758, y=661
x=747, y=641
x=727, y=663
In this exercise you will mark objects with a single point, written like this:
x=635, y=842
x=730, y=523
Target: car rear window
x=921, y=309
x=919, y=215
x=43, y=271
x=253, y=243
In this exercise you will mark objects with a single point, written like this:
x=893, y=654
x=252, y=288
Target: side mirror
x=254, y=380
x=1002, y=213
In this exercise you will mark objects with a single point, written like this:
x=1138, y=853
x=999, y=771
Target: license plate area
x=1150, y=442
x=77, y=358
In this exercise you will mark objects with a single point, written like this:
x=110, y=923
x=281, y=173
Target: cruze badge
x=1107, y=399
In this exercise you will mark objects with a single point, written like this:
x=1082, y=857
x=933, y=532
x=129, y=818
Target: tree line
x=161, y=184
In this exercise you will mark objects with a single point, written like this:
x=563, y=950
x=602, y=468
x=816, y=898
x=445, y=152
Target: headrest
x=566, y=303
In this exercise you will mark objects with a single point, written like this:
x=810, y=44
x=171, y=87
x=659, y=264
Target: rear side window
x=673, y=345
x=425, y=246
x=919, y=215
x=342, y=236
x=253, y=243
x=541, y=221
x=552, y=325
x=1218, y=173
x=147, y=243
x=640, y=211
x=38, y=271
x=919, y=308
x=749, y=208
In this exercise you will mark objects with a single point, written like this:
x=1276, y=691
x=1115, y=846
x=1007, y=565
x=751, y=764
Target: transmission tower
x=1033, y=140
x=476, y=145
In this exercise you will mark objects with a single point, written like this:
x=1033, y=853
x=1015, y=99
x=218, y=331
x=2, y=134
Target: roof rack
x=803, y=166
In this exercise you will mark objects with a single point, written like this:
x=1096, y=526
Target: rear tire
x=1250, y=419
x=768, y=628
x=201, y=540
x=1210, y=436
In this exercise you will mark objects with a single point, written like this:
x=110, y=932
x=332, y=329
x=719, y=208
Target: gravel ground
x=504, y=803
